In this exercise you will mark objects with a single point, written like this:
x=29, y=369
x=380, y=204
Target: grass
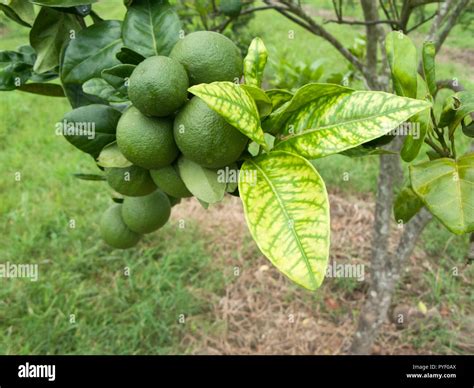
x=83, y=302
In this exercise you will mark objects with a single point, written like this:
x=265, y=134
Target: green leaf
x=202, y=182
x=50, y=32
x=151, y=27
x=419, y=125
x=402, y=58
x=20, y=11
x=89, y=177
x=128, y=56
x=254, y=63
x=118, y=75
x=334, y=123
x=85, y=57
x=90, y=128
x=235, y=105
x=62, y=3
x=111, y=156
x=361, y=151
x=278, y=97
x=103, y=90
x=446, y=187
x=468, y=130
x=455, y=109
x=52, y=90
x=406, y=205
x=264, y=104
x=287, y=211
x=302, y=99
x=429, y=70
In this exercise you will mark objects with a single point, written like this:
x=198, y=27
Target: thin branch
x=422, y=22
x=296, y=14
x=362, y=23
x=453, y=18
x=225, y=24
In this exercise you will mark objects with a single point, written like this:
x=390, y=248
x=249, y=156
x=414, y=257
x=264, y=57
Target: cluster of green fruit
x=164, y=125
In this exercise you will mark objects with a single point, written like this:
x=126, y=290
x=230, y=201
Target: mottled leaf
x=234, y=104
x=254, y=63
x=278, y=97
x=337, y=122
x=287, y=211
x=446, y=187
x=263, y=102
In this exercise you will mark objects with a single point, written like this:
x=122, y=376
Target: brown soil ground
x=261, y=312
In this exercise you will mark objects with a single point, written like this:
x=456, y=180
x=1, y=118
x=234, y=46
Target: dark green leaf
x=63, y=3
x=128, y=56
x=51, y=31
x=118, y=75
x=406, y=205
x=419, y=125
x=102, y=89
x=151, y=27
x=92, y=51
x=98, y=124
x=52, y=90
x=89, y=177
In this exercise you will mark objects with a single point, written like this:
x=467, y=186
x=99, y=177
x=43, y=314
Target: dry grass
x=261, y=312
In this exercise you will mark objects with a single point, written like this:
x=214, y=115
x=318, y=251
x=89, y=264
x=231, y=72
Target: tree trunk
x=386, y=271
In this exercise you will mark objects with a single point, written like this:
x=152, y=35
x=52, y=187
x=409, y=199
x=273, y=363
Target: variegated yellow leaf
x=254, y=63
x=287, y=211
x=235, y=105
x=336, y=122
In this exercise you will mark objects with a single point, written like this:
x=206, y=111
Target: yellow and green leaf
x=446, y=187
x=254, y=63
x=287, y=211
x=336, y=122
x=235, y=105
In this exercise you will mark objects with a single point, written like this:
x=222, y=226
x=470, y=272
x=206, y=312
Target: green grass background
x=83, y=302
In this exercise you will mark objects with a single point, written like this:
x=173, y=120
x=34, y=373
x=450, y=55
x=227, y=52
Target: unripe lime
x=114, y=231
x=132, y=181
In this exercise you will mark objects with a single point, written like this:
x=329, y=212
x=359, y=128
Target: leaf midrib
x=286, y=215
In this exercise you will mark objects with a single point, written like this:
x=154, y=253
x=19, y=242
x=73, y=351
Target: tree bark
x=386, y=271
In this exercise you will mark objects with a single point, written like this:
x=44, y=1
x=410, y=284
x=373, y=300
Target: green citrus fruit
x=90, y=128
x=146, y=141
x=132, y=181
x=208, y=57
x=168, y=180
x=146, y=214
x=205, y=137
x=231, y=7
x=158, y=86
x=114, y=231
